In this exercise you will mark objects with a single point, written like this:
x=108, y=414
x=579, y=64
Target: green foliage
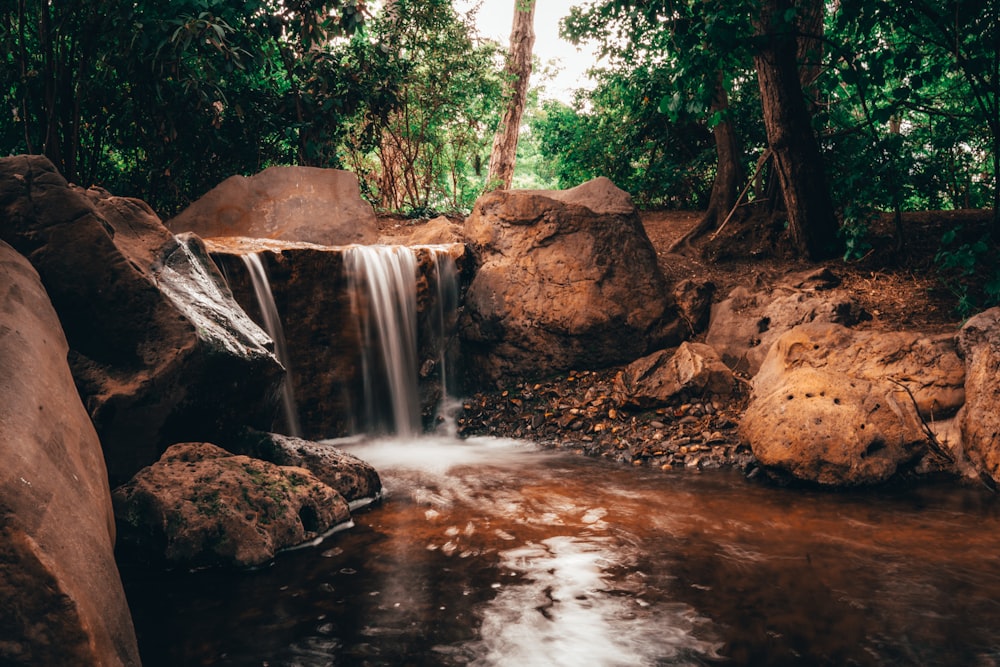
x=162, y=100
x=426, y=152
x=966, y=270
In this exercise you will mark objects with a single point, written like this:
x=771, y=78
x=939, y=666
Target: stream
x=492, y=552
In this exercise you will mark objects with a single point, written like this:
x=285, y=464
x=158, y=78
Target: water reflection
x=492, y=553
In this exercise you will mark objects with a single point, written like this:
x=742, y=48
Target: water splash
x=272, y=322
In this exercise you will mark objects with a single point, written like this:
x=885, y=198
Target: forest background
x=896, y=103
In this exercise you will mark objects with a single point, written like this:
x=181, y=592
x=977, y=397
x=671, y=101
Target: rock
x=694, y=303
x=200, y=505
x=344, y=473
x=840, y=407
x=63, y=602
x=745, y=325
x=322, y=206
x=439, y=231
x=159, y=349
x=979, y=343
x=658, y=379
x=321, y=324
x=567, y=279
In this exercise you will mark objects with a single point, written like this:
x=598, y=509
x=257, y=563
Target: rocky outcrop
x=745, y=324
x=346, y=474
x=694, y=369
x=159, y=350
x=841, y=407
x=63, y=602
x=200, y=505
x=979, y=342
x=322, y=206
x=567, y=279
x=311, y=289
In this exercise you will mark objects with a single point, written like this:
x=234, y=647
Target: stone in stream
x=200, y=505
x=979, y=343
x=842, y=407
x=322, y=206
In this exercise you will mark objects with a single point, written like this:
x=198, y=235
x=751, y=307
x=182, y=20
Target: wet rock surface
x=159, y=350
x=576, y=412
x=200, y=505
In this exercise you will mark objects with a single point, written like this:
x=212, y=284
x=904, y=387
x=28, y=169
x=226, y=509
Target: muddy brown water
x=489, y=552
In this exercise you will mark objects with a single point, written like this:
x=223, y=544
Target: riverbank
x=575, y=412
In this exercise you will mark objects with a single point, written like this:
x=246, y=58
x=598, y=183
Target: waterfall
x=383, y=285
x=268, y=310
x=446, y=309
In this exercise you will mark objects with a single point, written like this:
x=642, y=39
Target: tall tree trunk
x=729, y=174
x=518, y=70
x=811, y=221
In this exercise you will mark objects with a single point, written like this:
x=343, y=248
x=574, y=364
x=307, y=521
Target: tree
x=522, y=42
x=422, y=152
x=163, y=100
x=811, y=221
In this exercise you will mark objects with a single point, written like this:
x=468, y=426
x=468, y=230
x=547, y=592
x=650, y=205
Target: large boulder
x=63, y=602
x=322, y=206
x=979, y=343
x=744, y=325
x=693, y=369
x=567, y=279
x=160, y=351
x=842, y=407
x=200, y=505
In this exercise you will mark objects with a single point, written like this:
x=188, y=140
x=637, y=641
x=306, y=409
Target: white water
x=560, y=597
x=272, y=322
x=383, y=286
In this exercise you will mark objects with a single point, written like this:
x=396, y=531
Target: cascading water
x=383, y=286
x=446, y=306
x=272, y=322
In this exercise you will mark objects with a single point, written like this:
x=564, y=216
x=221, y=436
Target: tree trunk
x=811, y=221
x=518, y=70
x=729, y=174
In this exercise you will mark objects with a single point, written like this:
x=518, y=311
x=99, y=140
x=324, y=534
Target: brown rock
x=159, y=350
x=840, y=407
x=200, y=505
x=745, y=324
x=344, y=473
x=979, y=342
x=568, y=279
x=321, y=206
x=658, y=379
x=694, y=303
x=321, y=326
x=63, y=602
x=439, y=231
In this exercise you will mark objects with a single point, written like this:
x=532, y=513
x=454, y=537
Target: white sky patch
x=494, y=21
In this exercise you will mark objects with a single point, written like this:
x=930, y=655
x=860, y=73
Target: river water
x=489, y=552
